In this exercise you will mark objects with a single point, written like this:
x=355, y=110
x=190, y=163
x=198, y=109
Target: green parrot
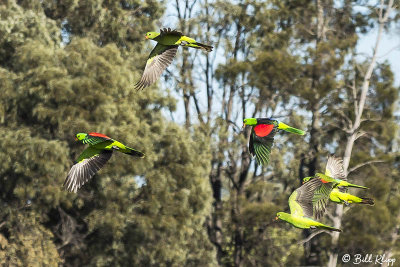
x=334, y=171
x=262, y=136
x=93, y=158
x=325, y=178
x=345, y=198
x=303, y=203
x=164, y=52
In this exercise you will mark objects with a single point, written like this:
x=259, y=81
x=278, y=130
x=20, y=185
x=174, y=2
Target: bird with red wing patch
x=262, y=136
x=262, y=130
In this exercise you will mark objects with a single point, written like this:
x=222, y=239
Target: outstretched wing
x=311, y=198
x=321, y=198
x=168, y=31
x=89, y=162
x=261, y=141
x=95, y=138
x=334, y=168
x=160, y=58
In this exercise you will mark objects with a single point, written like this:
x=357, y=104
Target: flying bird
x=345, y=198
x=340, y=183
x=164, y=52
x=93, y=158
x=262, y=136
x=334, y=172
x=308, y=202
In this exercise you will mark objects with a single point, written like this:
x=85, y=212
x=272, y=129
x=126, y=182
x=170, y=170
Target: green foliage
x=197, y=198
x=69, y=68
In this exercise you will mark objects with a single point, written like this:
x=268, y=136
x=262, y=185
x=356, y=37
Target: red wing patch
x=325, y=182
x=262, y=130
x=99, y=135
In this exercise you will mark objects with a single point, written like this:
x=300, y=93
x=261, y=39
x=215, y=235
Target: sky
x=389, y=49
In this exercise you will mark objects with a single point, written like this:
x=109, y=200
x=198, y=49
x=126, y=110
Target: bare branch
x=2, y=224
x=196, y=103
x=390, y=51
x=344, y=129
x=389, y=9
x=330, y=216
x=333, y=255
x=365, y=85
x=354, y=90
x=363, y=164
x=301, y=242
x=344, y=116
x=360, y=134
x=370, y=119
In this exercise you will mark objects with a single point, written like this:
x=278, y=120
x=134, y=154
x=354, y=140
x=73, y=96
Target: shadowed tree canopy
x=197, y=198
x=68, y=67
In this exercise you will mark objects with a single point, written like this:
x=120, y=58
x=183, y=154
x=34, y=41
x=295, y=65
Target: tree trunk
x=352, y=137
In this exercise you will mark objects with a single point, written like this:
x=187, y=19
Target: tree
x=353, y=125
x=275, y=59
x=68, y=68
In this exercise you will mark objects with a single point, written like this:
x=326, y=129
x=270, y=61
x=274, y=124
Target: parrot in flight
x=334, y=170
x=306, y=203
x=94, y=158
x=346, y=198
x=262, y=136
x=164, y=52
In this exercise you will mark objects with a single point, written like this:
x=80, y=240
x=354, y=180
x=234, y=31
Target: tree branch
x=345, y=117
x=360, y=134
x=301, y=242
x=330, y=216
x=363, y=164
x=333, y=254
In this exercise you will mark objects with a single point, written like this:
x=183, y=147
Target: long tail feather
x=367, y=201
x=357, y=186
x=323, y=226
x=201, y=46
x=133, y=152
x=290, y=129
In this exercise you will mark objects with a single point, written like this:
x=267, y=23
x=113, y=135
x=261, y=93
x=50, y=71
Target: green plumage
x=306, y=202
x=94, y=158
x=341, y=183
x=304, y=222
x=290, y=129
x=262, y=137
x=334, y=173
x=346, y=198
x=164, y=52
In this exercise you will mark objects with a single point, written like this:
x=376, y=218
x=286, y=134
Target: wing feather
x=92, y=160
x=261, y=147
x=168, y=31
x=334, y=168
x=313, y=197
x=95, y=138
x=160, y=58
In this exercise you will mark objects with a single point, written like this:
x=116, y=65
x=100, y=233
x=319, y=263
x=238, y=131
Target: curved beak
x=76, y=138
x=146, y=37
x=276, y=218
